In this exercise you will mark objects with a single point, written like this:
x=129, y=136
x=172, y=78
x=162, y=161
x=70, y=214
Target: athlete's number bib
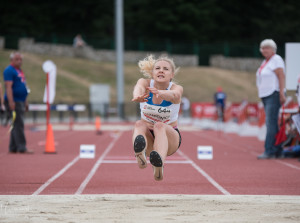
x=153, y=113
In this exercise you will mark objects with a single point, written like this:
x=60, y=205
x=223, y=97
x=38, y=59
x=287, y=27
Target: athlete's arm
x=173, y=95
x=140, y=92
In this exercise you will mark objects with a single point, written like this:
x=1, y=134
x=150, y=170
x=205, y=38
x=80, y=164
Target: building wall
x=29, y=45
x=244, y=64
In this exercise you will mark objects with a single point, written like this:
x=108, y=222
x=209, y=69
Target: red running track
x=233, y=170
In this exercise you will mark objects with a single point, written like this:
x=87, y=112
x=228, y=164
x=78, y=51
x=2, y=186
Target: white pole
x=119, y=55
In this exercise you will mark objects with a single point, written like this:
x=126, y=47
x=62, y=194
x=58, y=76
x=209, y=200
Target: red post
x=50, y=144
x=48, y=104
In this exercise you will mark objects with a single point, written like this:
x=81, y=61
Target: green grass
x=74, y=76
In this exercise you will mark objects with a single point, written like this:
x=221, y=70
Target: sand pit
x=149, y=208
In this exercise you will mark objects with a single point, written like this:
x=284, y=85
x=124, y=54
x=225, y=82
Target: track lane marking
x=249, y=152
x=97, y=164
x=288, y=164
x=204, y=174
x=61, y=172
x=57, y=175
x=134, y=161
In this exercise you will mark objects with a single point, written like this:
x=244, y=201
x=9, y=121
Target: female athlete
x=156, y=135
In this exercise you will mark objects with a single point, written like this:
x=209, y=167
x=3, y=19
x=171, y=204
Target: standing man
x=15, y=101
x=220, y=100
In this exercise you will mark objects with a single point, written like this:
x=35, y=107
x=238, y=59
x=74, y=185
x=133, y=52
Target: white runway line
x=250, y=152
x=288, y=164
x=280, y=161
x=203, y=173
x=97, y=164
x=134, y=161
x=61, y=172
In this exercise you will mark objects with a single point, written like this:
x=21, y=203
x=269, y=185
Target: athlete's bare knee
x=158, y=126
x=139, y=124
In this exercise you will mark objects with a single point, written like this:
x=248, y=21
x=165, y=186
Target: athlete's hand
x=141, y=98
x=154, y=91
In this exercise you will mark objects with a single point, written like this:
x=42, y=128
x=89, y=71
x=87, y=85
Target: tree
x=175, y=20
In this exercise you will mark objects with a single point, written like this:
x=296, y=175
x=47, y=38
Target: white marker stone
x=87, y=151
x=205, y=152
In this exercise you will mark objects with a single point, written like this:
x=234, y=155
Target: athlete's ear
x=172, y=77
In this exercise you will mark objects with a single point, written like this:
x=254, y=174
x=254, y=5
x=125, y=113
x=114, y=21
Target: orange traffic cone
x=98, y=125
x=50, y=147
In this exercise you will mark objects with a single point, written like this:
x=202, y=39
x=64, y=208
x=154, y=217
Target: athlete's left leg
x=166, y=143
x=166, y=139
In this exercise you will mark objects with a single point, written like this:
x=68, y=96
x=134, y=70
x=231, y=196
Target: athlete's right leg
x=142, y=143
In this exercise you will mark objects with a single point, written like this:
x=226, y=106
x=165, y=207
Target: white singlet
x=166, y=112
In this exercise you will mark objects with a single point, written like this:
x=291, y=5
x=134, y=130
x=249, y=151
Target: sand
x=149, y=208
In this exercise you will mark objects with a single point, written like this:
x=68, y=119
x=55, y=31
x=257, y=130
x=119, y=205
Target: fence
x=203, y=50
x=239, y=112
x=63, y=112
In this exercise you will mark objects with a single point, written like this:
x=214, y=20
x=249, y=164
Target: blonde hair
x=147, y=64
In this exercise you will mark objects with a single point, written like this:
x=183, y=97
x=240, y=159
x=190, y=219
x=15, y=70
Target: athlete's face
x=162, y=71
x=267, y=51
